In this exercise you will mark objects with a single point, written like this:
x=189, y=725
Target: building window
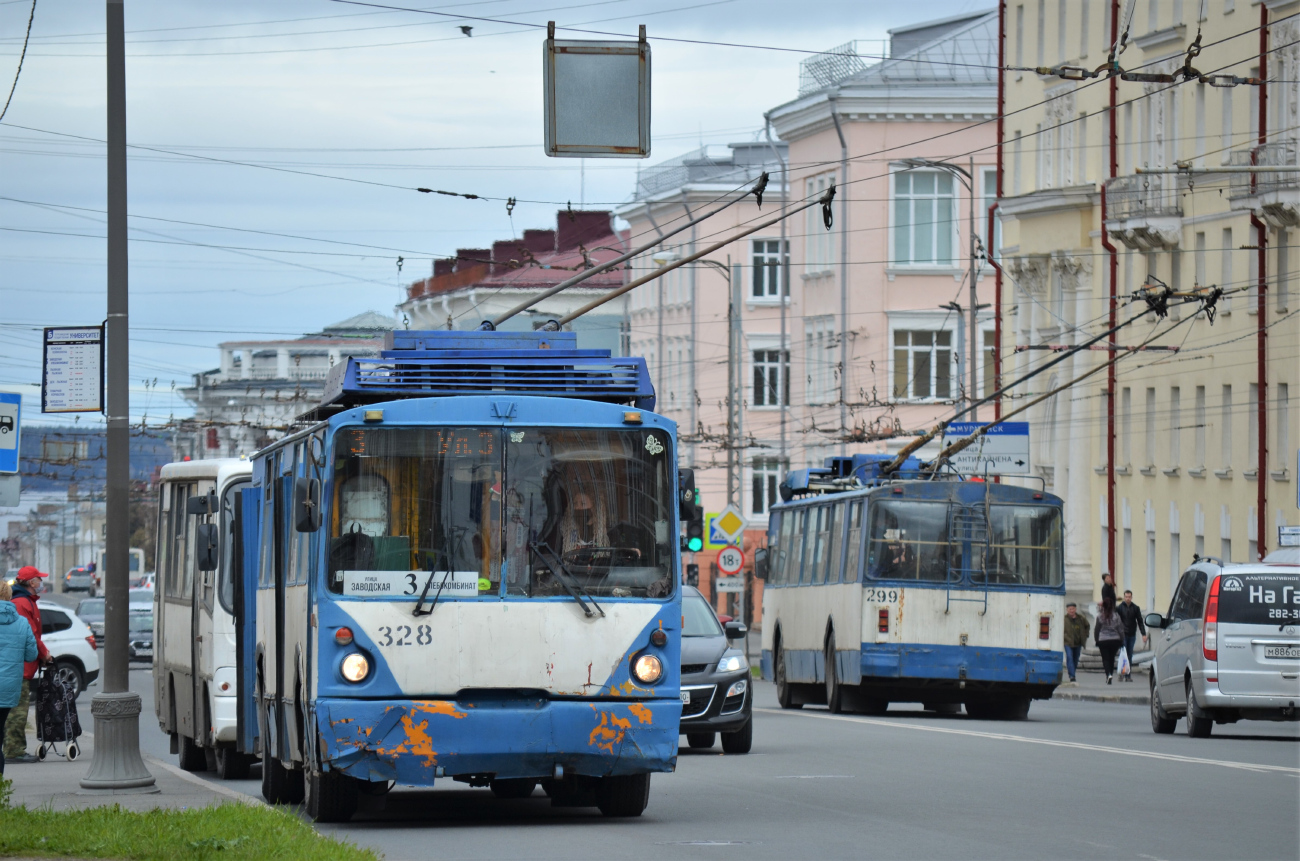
x=1225, y=429
x=1151, y=428
x=819, y=359
x=771, y=272
x=819, y=243
x=771, y=378
x=1225, y=269
x=1126, y=425
x=924, y=226
x=1283, y=418
x=922, y=365
x=1199, y=422
x=1175, y=429
x=766, y=478
x=992, y=243
x=989, y=380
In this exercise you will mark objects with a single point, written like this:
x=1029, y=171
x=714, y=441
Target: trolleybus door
x=204, y=646
x=243, y=556
x=280, y=531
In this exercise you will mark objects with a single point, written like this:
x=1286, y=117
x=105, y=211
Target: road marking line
x=1173, y=757
x=198, y=781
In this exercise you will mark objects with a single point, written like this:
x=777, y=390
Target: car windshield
x=698, y=619
x=140, y=622
x=140, y=596
x=549, y=510
x=1259, y=599
x=91, y=608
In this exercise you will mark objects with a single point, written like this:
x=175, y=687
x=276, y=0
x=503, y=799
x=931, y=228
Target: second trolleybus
x=935, y=590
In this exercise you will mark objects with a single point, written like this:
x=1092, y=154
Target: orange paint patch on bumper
x=642, y=712
x=609, y=733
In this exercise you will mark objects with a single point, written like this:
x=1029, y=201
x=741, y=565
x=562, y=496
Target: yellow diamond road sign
x=731, y=524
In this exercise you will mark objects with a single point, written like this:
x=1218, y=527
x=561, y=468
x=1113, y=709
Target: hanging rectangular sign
x=72, y=373
x=597, y=98
x=1004, y=449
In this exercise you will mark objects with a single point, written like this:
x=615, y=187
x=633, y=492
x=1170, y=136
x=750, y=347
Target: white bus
x=195, y=634
x=135, y=564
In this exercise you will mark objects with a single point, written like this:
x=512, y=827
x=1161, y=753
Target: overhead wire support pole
x=824, y=201
x=489, y=325
x=117, y=767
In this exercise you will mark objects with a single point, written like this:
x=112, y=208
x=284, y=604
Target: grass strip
x=226, y=831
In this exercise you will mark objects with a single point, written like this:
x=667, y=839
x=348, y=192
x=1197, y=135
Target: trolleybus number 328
x=423, y=636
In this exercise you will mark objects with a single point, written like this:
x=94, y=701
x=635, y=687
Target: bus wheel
x=192, y=757
x=280, y=785
x=784, y=694
x=623, y=794
x=943, y=708
x=834, y=692
x=1016, y=709
x=231, y=764
x=330, y=796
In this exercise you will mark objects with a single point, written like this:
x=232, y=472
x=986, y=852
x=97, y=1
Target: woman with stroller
x=17, y=647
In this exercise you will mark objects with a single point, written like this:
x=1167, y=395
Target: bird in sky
x=466, y=28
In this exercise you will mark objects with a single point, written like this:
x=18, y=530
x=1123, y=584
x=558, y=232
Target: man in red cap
x=26, y=587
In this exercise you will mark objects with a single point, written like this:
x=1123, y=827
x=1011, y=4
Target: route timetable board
x=72, y=377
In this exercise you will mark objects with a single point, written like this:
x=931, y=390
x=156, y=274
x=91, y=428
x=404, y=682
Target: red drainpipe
x=1261, y=332
x=992, y=231
x=1112, y=253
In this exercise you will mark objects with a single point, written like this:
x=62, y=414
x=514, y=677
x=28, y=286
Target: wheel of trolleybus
x=330, y=796
x=190, y=756
x=623, y=795
x=280, y=785
x=784, y=693
x=514, y=787
x=834, y=691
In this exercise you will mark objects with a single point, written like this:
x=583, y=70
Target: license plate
x=686, y=697
x=1285, y=652
x=144, y=653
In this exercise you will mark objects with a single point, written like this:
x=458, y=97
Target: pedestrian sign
x=11, y=405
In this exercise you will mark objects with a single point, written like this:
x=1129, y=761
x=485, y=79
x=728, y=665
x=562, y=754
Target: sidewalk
x=1092, y=687
x=56, y=783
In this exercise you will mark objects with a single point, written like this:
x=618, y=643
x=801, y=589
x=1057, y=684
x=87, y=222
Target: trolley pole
x=117, y=767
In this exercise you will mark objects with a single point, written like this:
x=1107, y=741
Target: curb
x=1122, y=699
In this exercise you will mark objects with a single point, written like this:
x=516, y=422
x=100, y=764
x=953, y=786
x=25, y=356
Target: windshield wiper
x=419, y=605
x=567, y=580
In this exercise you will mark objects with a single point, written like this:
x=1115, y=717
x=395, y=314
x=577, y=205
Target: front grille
x=692, y=669
x=700, y=700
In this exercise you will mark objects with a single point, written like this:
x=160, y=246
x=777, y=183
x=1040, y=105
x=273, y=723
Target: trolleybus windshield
x=469, y=507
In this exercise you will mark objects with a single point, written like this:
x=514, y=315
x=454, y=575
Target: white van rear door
x=1259, y=633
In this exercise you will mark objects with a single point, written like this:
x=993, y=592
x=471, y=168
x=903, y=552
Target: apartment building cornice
x=695, y=195
x=908, y=103
x=1048, y=201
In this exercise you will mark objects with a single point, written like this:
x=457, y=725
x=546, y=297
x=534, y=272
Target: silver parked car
x=1229, y=648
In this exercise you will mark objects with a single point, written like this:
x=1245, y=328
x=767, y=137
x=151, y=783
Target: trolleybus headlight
x=647, y=669
x=355, y=667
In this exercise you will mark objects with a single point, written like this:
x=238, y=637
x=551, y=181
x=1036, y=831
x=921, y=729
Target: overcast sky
x=348, y=90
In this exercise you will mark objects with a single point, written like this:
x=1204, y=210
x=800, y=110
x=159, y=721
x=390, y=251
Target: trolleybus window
x=851, y=566
x=787, y=549
x=817, y=571
x=836, y=515
x=591, y=506
x=908, y=541
x=226, y=583
x=1024, y=546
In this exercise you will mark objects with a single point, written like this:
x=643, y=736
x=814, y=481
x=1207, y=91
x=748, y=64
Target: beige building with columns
x=1192, y=449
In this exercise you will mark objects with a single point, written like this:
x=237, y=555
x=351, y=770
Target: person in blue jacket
x=17, y=646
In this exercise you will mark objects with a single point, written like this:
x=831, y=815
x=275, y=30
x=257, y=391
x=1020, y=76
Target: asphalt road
x=1077, y=780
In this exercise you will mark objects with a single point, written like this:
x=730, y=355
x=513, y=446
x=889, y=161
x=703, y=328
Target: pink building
x=853, y=339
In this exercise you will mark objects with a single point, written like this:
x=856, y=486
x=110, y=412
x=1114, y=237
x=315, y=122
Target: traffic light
x=692, y=574
x=695, y=528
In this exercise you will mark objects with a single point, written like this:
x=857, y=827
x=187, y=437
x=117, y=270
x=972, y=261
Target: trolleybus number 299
x=423, y=635
x=883, y=596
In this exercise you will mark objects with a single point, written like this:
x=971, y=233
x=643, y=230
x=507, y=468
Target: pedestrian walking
x=1109, y=634
x=1132, y=615
x=1076, y=637
x=1108, y=586
x=25, y=589
x=17, y=647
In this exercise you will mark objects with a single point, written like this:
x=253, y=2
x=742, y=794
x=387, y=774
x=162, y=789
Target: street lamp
x=966, y=178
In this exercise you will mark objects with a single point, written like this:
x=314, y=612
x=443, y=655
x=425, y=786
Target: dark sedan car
x=140, y=640
x=717, y=687
x=91, y=611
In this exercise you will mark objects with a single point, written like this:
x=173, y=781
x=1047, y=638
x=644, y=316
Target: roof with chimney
x=541, y=258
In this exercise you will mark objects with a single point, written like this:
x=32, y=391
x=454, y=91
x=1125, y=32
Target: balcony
x=1273, y=196
x=1144, y=211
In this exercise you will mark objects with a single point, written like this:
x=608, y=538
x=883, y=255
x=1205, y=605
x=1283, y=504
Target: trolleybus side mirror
x=205, y=536
x=1155, y=620
x=760, y=563
x=735, y=630
x=201, y=505
x=306, y=504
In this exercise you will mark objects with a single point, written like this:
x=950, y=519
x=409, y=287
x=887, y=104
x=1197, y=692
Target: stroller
x=56, y=716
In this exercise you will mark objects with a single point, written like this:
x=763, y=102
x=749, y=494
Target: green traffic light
x=695, y=544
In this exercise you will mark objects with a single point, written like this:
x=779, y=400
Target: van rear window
x=1259, y=599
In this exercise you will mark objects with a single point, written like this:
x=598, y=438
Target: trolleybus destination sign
x=72, y=376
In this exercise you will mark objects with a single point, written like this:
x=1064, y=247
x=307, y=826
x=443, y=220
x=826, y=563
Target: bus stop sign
x=11, y=405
